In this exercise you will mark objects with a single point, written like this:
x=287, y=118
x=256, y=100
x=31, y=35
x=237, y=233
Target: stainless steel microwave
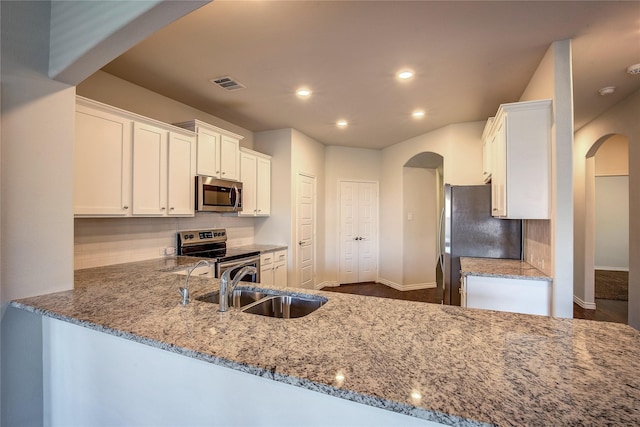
x=218, y=195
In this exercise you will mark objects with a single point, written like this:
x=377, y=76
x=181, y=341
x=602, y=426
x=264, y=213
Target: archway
x=423, y=198
x=606, y=221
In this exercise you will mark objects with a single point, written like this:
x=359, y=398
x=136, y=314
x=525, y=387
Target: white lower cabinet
x=528, y=296
x=273, y=268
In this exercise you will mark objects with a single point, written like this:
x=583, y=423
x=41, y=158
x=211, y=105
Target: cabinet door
x=208, y=152
x=499, y=170
x=263, y=187
x=248, y=168
x=266, y=268
x=512, y=295
x=149, y=170
x=181, y=171
x=229, y=158
x=102, y=164
x=280, y=269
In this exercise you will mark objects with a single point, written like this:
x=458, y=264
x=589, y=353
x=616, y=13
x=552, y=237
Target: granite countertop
x=447, y=364
x=507, y=268
x=261, y=248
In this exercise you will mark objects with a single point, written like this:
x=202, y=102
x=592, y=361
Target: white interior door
x=305, y=227
x=358, y=231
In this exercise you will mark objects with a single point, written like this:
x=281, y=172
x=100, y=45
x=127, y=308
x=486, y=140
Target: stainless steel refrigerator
x=467, y=229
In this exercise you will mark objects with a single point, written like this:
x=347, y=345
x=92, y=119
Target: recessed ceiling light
x=418, y=114
x=303, y=92
x=405, y=74
x=633, y=69
x=607, y=90
x=342, y=123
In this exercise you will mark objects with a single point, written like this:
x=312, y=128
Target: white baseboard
x=584, y=304
x=411, y=287
x=611, y=268
x=326, y=284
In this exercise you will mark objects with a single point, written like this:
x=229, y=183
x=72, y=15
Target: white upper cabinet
x=149, y=170
x=255, y=174
x=102, y=162
x=230, y=157
x=487, y=151
x=218, y=152
x=130, y=165
x=181, y=170
x=520, y=138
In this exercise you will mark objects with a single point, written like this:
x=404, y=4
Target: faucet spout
x=184, y=291
x=228, y=285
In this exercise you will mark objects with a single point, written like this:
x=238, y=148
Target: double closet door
x=358, y=232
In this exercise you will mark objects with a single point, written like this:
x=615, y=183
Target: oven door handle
x=238, y=262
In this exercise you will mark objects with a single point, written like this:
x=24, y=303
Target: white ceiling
x=469, y=57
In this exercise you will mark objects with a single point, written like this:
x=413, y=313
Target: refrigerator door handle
x=440, y=242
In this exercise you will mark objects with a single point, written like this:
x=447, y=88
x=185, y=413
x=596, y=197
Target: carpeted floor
x=612, y=285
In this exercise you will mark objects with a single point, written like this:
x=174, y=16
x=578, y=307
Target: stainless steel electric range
x=212, y=244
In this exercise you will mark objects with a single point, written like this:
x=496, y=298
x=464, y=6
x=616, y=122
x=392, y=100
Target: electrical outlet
x=169, y=250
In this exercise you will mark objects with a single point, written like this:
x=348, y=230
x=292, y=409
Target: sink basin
x=238, y=298
x=286, y=306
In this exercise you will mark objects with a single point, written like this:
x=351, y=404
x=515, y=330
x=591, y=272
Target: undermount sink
x=286, y=306
x=237, y=299
x=268, y=303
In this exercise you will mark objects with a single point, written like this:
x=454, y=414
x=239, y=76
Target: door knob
x=300, y=242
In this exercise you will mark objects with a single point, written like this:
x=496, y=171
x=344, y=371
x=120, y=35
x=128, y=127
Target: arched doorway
x=607, y=224
x=423, y=198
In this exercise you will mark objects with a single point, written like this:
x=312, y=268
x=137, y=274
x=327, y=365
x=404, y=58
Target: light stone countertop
x=507, y=268
x=470, y=367
x=263, y=249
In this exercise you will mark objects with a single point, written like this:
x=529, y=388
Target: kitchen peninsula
x=432, y=363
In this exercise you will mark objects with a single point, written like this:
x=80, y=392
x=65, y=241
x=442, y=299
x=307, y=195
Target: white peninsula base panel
x=107, y=380
x=525, y=296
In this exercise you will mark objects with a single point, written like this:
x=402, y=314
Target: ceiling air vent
x=227, y=83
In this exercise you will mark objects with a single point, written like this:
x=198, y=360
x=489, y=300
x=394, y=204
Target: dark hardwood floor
x=606, y=310
x=373, y=289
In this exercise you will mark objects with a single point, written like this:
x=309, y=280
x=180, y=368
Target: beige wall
x=460, y=145
x=553, y=80
x=420, y=222
x=612, y=158
x=343, y=164
x=293, y=153
x=621, y=119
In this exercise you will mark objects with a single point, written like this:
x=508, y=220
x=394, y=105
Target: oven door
x=236, y=265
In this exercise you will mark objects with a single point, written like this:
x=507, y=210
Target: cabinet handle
x=223, y=173
x=163, y=208
x=217, y=172
x=300, y=243
x=125, y=207
x=172, y=208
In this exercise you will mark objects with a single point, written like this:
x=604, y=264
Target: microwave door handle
x=237, y=201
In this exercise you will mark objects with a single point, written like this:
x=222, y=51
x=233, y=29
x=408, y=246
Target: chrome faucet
x=184, y=291
x=226, y=288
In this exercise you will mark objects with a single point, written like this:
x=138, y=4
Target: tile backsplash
x=537, y=245
x=106, y=241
